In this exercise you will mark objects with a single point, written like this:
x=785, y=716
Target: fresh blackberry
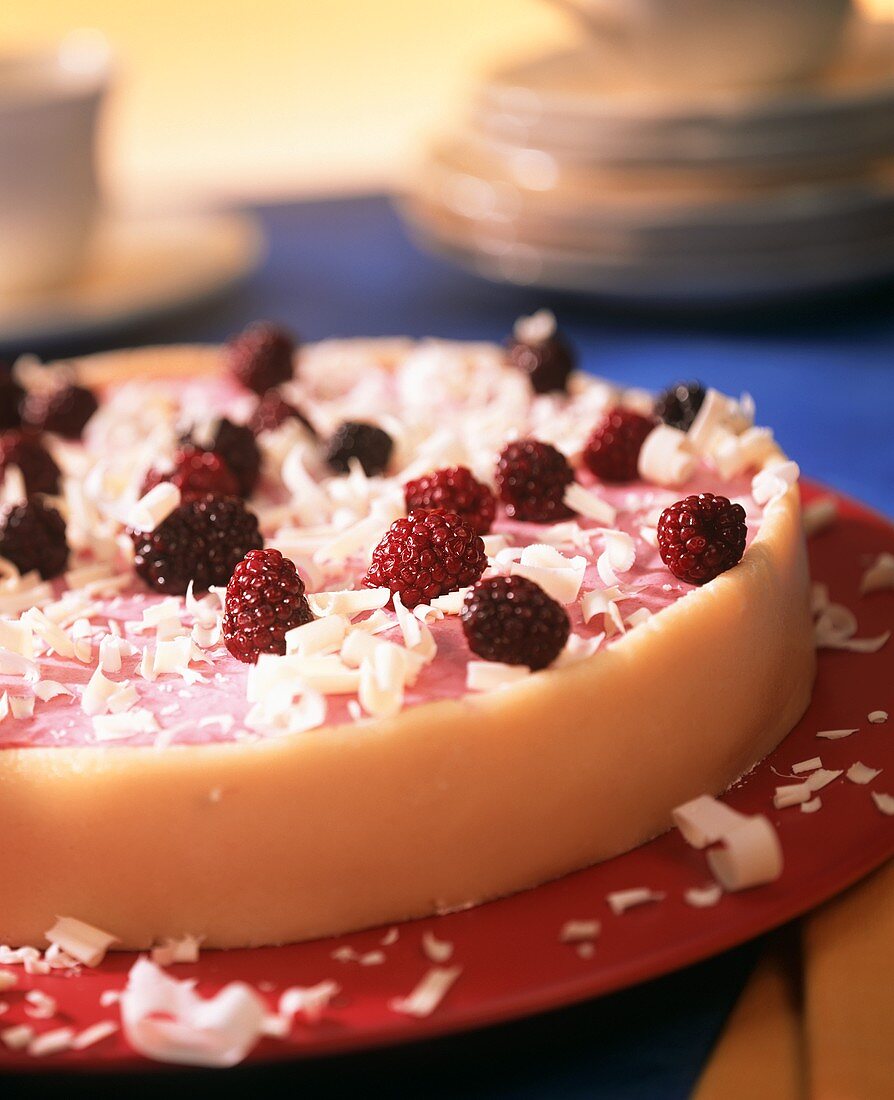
x=513, y=621
x=196, y=473
x=457, y=490
x=679, y=405
x=531, y=481
x=261, y=356
x=548, y=363
x=26, y=450
x=202, y=540
x=64, y=410
x=265, y=599
x=272, y=411
x=32, y=536
x=369, y=444
x=237, y=446
x=428, y=554
x=613, y=449
x=701, y=537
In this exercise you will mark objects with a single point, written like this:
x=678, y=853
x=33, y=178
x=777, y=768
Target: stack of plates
x=567, y=175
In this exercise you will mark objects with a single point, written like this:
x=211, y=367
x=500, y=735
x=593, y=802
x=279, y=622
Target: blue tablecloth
x=822, y=374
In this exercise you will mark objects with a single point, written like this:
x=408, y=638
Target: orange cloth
x=849, y=993
x=828, y=1032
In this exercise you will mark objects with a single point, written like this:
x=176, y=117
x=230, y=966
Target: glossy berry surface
x=32, y=536
x=512, y=620
x=457, y=490
x=612, y=451
x=701, y=537
x=426, y=555
x=195, y=474
x=203, y=540
x=26, y=450
x=11, y=398
x=260, y=357
x=265, y=599
x=65, y=410
x=273, y=411
x=679, y=405
x=237, y=446
x=547, y=363
x=531, y=481
x=369, y=444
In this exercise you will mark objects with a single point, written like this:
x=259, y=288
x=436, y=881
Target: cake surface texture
x=155, y=785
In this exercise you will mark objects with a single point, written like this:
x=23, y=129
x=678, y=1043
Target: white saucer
x=583, y=105
x=139, y=269
x=670, y=280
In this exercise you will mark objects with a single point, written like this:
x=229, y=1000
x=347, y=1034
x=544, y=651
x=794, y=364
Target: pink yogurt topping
x=200, y=713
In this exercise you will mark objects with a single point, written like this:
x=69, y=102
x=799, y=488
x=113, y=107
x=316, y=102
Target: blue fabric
x=822, y=375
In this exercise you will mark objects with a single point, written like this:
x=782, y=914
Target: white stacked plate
x=565, y=175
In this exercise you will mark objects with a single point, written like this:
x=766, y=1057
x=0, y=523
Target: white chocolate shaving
x=558, y=576
x=154, y=508
x=310, y=1001
x=49, y=633
x=703, y=897
x=428, y=994
x=97, y=692
x=819, y=515
x=822, y=777
x=836, y=626
x=17, y=1037
x=664, y=458
x=879, y=575
x=884, y=802
x=773, y=482
x=94, y=1034
x=812, y=805
x=807, y=765
x=381, y=691
x=17, y=637
x=618, y=556
x=41, y=1006
x=751, y=855
x=172, y=951
x=51, y=1042
x=579, y=931
x=705, y=820
x=586, y=503
x=81, y=941
x=877, y=717
x=835, y=735
x=320, y=637
x=862, y=773
x=792, y=795
x=435, y=950
x=168, y=1021
x=50, y=689
x=348, y=603
x=619, y=901
x=22, y=706
x=536, y=329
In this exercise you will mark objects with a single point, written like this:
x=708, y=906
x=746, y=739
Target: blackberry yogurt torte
x=295, y=641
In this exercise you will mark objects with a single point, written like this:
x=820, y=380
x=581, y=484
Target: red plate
x=513, y=964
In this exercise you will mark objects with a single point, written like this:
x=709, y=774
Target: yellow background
x=227, y=97
x=230, y=97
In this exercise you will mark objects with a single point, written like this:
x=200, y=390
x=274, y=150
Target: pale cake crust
x=449, y=803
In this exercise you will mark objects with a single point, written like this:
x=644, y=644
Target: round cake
x=367, y=735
